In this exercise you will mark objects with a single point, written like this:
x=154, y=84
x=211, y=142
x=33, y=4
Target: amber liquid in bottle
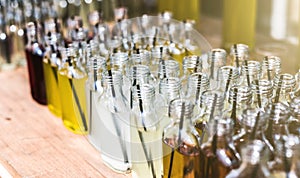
x=36, y=76
x=51, y=81
x=73, y=102
x=184, y=161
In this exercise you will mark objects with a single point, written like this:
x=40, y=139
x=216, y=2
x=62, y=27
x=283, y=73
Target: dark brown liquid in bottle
x=220, y=163
x=36, y=75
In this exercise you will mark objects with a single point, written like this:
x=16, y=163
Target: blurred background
x=267, y=26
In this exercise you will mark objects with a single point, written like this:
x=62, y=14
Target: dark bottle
x=220, y=155
x=34, y=55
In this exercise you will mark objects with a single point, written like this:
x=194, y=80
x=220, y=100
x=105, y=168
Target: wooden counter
x=34, y=143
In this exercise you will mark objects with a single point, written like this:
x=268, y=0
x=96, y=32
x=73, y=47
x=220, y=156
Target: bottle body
x=52, y=91
x=239, y=22
x=73, y=101
x=36, y=74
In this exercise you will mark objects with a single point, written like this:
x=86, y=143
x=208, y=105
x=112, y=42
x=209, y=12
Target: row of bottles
x=155, y=104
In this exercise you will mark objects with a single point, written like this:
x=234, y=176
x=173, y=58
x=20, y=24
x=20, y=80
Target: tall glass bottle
x=93, y=91
x=240, y=97
x=216, y=59
x=250, y=71
x=239, y=20
x=253, y=162
x=262, y=91
x=114, y=134
x=182, y=154
x=238, y=54
x=146, y=145
x=286, y=162
x=270, y=67
x=71, y=82
x=220, y=155
x=276, y=115
x=51, y=63
x=284, y=85
x=34, y=55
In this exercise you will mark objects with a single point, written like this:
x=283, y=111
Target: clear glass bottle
x=51, y=62
x=227, y=77
x=191, y=64
x=286, y=162
x=240, y=97
x=115, y=139
x=276, y=115
x=93, y=91
x=238, y=54
x=211, y=105
x=168, y=68
x=34, y=56
x=253, y=162
x=181, y=148
x=262, y=93
x=216, y=59
x=252, y=127
x=250, y=71
x=146, y=145
x=220, y=154
x=284, y=85
x=71, y=82
x=270, y=67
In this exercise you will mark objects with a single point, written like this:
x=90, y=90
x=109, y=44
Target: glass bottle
x=276, y=115
x=181, y=149
x=262, y=93
x=240, y=97
x=114, y=133
x=191, y=64
x=34, y=56
x=284, y=85
x=198, y=83
x=220, y=154
x=93, y=91
x=239, y=21
x=71, y=82
x=238, y=54
x=270, y=67
x=227, y=77
x=211, y=105
x=146, y=145
x=168, y=68
x=51, y=62
x=286, y=162
x=252, y=127
x=253, y=162
x=294, y=120
x=297, y=89
x=216, y=59
x=250, y=71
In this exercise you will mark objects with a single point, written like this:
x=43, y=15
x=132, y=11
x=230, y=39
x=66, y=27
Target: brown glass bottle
x=220, y=155
x=34, y=56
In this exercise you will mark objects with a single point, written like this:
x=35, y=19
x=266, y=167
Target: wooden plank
x=34, y=143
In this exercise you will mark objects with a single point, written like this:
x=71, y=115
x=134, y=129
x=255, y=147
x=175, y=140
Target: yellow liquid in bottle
x=181, y=9
x=239, y=22
x=52, y=92
x=73, y=106
x=184, y=165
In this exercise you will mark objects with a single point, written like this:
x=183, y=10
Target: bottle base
x=116, y=165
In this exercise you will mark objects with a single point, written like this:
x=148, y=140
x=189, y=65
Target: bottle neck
x=216, y=59
x=170, y=88
x=197, y=84
x=168, y=68
x=250, y=71
x=262, y=92
x=192, y=64
x=271, y=66
x=239, y=53
x=227, y=77
x=284, y=85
